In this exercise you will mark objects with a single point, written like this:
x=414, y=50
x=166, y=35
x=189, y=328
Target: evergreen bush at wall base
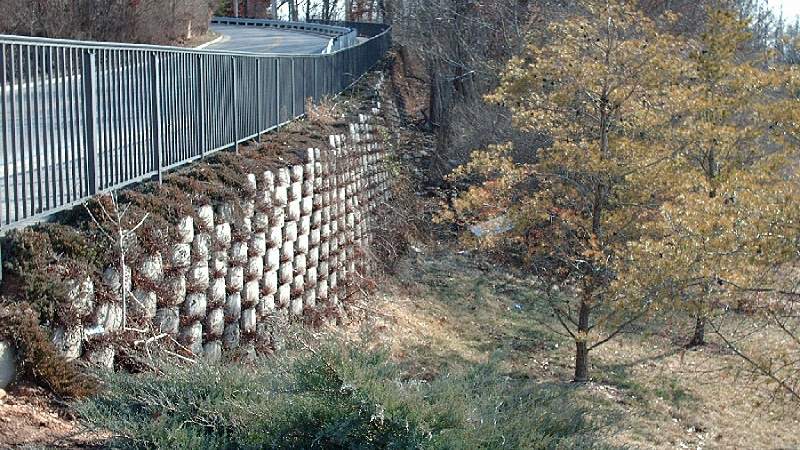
x=334, y=397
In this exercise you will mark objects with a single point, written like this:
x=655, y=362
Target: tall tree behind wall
x=137, y=21
x=463, y=44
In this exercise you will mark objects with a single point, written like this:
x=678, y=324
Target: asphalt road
x=239, y=38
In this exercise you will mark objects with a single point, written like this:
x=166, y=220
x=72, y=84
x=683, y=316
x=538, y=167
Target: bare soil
x=30, y=417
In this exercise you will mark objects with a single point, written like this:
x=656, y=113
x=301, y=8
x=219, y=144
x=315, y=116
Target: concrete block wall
x=302, y=245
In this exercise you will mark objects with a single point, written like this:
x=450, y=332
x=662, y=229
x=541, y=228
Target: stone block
x=296, y=306
x=267, y=304
x=144, y=303
x=197, y=278
x=284, y=295
x=260, y=221
x=295, y=192
x=275, y=237
x=310, y=298
x=233, y=306
x=68, y=341
x=215, y=322
x=270, y=282
x=114, y=282
x=248, y=322
x=108, y=316
x=258, y=244
x=201, y=246
x=311, y=277
x=181, y=255
x=191, y=337
x=255, y=267
x=281, y=196
x=308, y=184
x=251, y=293
x=272, y=259
x=222, y=234
x=205, y=214
x=290, y=231
x=231, y=336
x=185, y=230
x=152, y=267
x=81, y=295
x=8, y=367
x=304, y=226
x=293, y=211
x=102, y=356
x=225, y=213
x=285, y=272
x=217, y=292
x=322, y=290
x=287, y=251
x=213, y=351
x=235, y=278
x=167, y=320
x=314, y=237
x=298, y=285
x=313, y=257
x=195, y=304
x=301, y=246
x=238, y=253
x=307, y=206
x=296, y=173
x=300, y=263
x=219, y=263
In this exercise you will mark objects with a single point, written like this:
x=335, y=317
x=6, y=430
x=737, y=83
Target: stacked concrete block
x=301, y=242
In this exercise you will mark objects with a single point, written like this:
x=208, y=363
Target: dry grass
x=443, y=309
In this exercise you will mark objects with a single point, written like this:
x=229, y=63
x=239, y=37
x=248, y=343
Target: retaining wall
x=301, y=248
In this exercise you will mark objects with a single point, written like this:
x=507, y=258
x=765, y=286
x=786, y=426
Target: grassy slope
x=443, y=309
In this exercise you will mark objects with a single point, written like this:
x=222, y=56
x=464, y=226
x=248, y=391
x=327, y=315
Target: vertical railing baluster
x=155, y=77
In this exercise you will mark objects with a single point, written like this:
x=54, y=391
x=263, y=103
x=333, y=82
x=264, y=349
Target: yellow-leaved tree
x=599, y=84
x=667, y=184
x=732, y=196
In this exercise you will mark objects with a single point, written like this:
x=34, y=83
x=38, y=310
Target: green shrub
x=37, y=359
x=332, y=398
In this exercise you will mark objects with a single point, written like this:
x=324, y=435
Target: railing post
x=200, y=114
x=278, y=91
x=259, y=106
x=294, y=91
x=90, y=111
x=155, y=77
x=235, y=98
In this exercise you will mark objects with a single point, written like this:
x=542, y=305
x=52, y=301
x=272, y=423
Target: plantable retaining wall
x=300, y=249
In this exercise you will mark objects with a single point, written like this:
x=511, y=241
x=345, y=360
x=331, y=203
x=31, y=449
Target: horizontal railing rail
x=83, y=118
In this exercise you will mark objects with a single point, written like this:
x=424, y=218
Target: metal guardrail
x=82, y=118
x=341, y=36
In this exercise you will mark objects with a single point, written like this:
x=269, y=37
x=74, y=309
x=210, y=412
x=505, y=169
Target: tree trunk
x=581, y=362
x=273, y=8
x=699, y=337
x=581, y=346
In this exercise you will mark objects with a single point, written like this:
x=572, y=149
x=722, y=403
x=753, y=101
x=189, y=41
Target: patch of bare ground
x=445, y=308
x=30, y=418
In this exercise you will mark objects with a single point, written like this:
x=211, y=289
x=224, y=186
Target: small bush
x=331, y=398
x=37, y=360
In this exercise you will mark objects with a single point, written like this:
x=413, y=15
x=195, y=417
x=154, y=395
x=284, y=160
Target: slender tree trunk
x=293, y=10
x=273, y=8
x=699, y=337
x=581, y=347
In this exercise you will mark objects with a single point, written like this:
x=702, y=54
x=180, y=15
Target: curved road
x=237, y=38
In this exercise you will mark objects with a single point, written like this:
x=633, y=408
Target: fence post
x=259, y=106
x=294, y=91
x=235, y=98
x=155, y=77
x=200, y=114
x=90, y=110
